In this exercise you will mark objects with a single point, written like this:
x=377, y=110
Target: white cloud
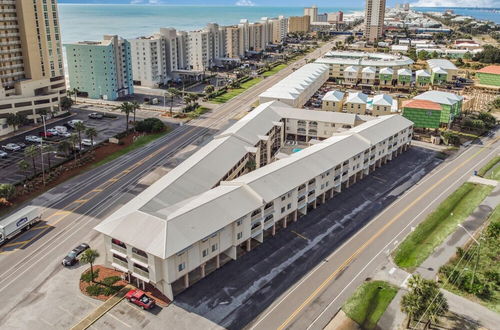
x=245, y=3
x=455, y=3
x=135, y=2
x=146, y=2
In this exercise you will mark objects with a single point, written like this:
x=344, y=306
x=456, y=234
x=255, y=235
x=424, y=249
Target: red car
x=45, y=134
x=139, y=298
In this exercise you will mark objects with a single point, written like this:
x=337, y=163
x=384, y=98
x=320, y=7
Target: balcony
x=9, y=27
x=141, y=272
x=311, y=187
x=256, y=230
x=256, y=217
x=269, y=210
x=140, y=258
x=10, y=51
x=119, y=248
x=120, y=263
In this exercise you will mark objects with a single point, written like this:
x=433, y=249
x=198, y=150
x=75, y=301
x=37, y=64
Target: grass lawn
x=141, y=141
x=274, y=70
x=486, y=278
x=198, y=112
x=237, y=91
x=494, y=174
x=369, y=302
x=488, y=166
x=439, y=224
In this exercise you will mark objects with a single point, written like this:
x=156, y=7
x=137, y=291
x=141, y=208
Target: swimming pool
x=296, y=149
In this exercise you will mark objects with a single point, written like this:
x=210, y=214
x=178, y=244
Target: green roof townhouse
x=450, y=106
x=489, y=76
x=442, y=71
x=101, y=69
x=404, y=77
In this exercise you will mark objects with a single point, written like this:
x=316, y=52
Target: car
x=33, y=138
x=22, y=145
x=65, y=134
x=72, y=123
x=3, y=154
x=88, y=142
x=53, y=131
x=72, y=257
x=139, y=298
x=95, y=115
x=45, y=134
x=61, y=129
x=11, y=147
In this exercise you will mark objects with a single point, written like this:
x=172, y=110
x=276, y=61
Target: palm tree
x=15, y=120
x=91, y=133
x=80, y=128
x=64, y=146
x=23, y=167
x=75, y=92
x=89, y=257
x=209, y=89
x=127, y=108
x=31, y=152
x=172, y=93
x=48, y=149
x=136, y=106
x=73, y=139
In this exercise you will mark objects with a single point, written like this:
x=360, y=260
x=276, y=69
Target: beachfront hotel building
x=351, y=68
x=222, y=200
x=299, y=24
x=101, y=69
x=31, y=65
x=374, y=19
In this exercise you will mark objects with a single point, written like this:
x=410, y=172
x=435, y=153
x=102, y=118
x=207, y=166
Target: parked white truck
x=19, y=221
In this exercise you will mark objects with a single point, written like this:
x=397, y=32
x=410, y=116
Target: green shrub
x=111, y=280
x=94, y=290
x=149, y=125
x=7, y=190
x=86, y=276
x=111, y=290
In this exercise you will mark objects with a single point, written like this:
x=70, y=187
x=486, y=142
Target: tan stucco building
x=299, y=24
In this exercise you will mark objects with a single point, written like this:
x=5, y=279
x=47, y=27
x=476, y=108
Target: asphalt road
x=316, y=298
x=30, y=262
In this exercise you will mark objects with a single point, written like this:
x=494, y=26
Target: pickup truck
x=140, y=299
x=18, y=222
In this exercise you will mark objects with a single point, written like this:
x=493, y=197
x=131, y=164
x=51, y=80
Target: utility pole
x=478, y=253
x=41, y=148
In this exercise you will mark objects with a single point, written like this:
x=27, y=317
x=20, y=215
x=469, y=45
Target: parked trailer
x=20, y=221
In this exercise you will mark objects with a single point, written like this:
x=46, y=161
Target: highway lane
x=314, y=300
x=75, y=207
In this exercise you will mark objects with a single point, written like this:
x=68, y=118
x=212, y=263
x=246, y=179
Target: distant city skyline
x=295, y=3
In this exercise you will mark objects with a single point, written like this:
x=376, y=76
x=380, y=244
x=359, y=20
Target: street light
x=41, y=147
x=478, y=253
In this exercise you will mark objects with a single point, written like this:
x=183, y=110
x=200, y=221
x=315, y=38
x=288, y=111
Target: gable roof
x=382, y=99
x=442, y=63
x=422, y=104
x=357, y=97
x=493, y=69
x=334, y=96
x=440, y=97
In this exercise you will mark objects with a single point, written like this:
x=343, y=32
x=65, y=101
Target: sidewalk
x=102, y=309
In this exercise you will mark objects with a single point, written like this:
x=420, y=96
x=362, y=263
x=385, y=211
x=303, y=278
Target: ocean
x=90, y=22
x=489, y=14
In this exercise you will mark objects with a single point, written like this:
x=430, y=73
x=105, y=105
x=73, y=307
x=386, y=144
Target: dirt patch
x=104, y=272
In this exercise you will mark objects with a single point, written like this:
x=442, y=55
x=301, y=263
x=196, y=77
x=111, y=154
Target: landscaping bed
x=491, y=170
x=456, y=275
x=439, y=224
x=223, y=98
x=113, y=281
x=369, y=302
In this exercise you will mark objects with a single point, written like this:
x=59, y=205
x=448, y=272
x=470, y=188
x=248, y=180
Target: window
x=289, y=206
x=239, y=235
x=204, y=253
x=283, y=209
x=283, y=198
x=181, y=266
x=214, y=247
x=239, y=222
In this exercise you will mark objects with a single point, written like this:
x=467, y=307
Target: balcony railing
x=141, y=272
x=118, y=248
x=120, y=262
x=140, y=258
x=256, y=230
x=256, y=216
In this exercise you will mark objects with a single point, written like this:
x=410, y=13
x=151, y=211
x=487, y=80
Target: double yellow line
x=373, y=238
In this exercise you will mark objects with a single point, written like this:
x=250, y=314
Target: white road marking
x=393, y=269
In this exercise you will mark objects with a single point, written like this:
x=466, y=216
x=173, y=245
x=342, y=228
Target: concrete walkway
x=478, y=179
x=427, y=145
x=393, y=318
x=102, y=309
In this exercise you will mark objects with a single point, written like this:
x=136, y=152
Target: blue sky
x=300, y=3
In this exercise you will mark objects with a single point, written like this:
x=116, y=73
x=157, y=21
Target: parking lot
x=9, y=169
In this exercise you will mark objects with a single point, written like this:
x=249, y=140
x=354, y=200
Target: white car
x=72, y=123
x=53, y=131
x=87, y=142
x=11, y=147
x=33, y=138
x=65, y=134
x=3, y=154
x=61, y=129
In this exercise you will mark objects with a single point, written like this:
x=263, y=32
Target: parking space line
x=65, y=310
x=47, y=322
x=122, y=322
x=89, y=302
x=299, y=235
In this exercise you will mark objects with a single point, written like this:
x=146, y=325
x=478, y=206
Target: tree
x=31, y=152
x=89, y=257
x=127, y=108
x=80, y=128
x=423, y=301
x=423, y=55
x=172, y=93
x=136, y=106
x=91, y=133
x=23, y=167
x=74, y=140
x=64, y=146
x=7, y=190
x=210, y=89
x=75, y=92
x=15, y=120
x=65, y=103
x=48, y=149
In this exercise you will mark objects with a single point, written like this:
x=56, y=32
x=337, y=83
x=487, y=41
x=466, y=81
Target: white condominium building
x=374, y=19
x=297, y=88
x=312, y=12
x=196, y=218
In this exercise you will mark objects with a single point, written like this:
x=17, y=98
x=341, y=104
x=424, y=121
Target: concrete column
x=295, y=215
x=285, y=222
x=186, y=281
x=217, y=261
x=274, y=230
x=203, y=274
x=355, y=178
x=167, y=290
x=347, y=183
x=361, y=174
x=249, y=245
x=315, y=203
x=324, y=198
